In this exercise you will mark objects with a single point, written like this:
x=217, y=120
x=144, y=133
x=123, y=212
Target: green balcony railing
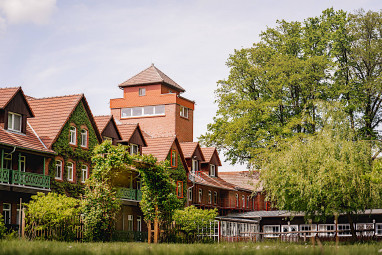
x=131, y=194
x=30, y=179
x=4, y=175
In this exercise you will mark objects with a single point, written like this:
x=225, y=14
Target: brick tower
x=153, y=100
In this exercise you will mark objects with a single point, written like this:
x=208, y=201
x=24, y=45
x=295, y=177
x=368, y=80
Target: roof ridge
x=137, y=74
x=11, y=87
x=35, y=98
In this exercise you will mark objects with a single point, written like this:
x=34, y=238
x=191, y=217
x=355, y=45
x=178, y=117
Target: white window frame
x=247, y=202
x=72, y=135
x=7, y=213
x=184, y=112
x=84, y=138
x=366, y=229
x=210, y=197
x=130, y=223
x=308, y=227
x=237, y=200
x=289, y=228
x=270, y=229
x=189, y=194
x=200, y=195
x=378, y=229
x=142, y=92
x=134, y=149
x=326, y=227
x=106, y=138
x=243, y=201
x=11, y=121
x=58, y=166
x=84, y=173
x=212, y=170
x=195, y=165
x=158, y=110
x=344, y=227
x=139, y=223
x=70, y=170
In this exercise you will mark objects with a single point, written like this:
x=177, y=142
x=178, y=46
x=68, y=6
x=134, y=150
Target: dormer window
x=73, y=136
x=142, y=92
x=14, y=121
x=134, y=149
x=212, y=170
x=195, y=165
x=184, y=112
x=84, y=138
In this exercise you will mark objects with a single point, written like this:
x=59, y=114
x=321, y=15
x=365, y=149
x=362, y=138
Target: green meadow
x=49, y=247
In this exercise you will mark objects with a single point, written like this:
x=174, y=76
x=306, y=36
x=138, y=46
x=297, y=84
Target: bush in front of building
x=3, y=229
x=52, y=217
x=193, y=222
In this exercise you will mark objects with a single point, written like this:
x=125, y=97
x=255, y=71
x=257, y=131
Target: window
x=7, y=213
x=8, y=161
x=179, y=189
x=289, y=228
x=344, y=230
x=237, y=200
x=139, y=184
x=139, y=223
x=134, y=149
x=184, y=112
x=23, y=160
x=307, y=227
x=326, y=227
x=209, y=197
x=142, y=91
x=73, y=137
x=212, y=170
x=14, y=121
x=270, y=229
x=18, y=214
x=247, y=201
x=58, y=175
x=215, y=197
x=173, y=158
x=130, y=222
x=190, y=194
x=365, y=229
x=151, y=110
x=243, y=201
x=200, y=195
x=84, y=173
x=70, y=171
x=378, y=229
x=195, y=165
x=84, y=138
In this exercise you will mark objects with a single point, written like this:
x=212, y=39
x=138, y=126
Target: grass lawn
x=46, y=247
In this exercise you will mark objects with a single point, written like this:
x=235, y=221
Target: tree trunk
x=352, y=229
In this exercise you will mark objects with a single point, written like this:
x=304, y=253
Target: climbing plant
x=77, y=154
x=178, y=174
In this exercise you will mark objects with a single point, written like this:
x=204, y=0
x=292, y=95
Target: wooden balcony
x=24, y=179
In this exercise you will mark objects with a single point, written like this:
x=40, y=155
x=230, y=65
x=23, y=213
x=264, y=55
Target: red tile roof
x=102, y=121
x=242, y=179
x=53, y=112
x=208, y=153
x=149, y=76
x=159, y=147
x=204, y=179
x=127, y=130
x=27, y=141
x=189, y=148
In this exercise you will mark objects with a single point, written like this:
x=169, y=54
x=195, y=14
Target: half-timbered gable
x=108, y=128
x=133, y=137
x=212, y=161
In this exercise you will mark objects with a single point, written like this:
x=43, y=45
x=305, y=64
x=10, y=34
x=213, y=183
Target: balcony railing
x=131, y=194
x=24, y=178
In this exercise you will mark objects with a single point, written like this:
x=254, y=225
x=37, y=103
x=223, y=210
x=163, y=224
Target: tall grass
x=52, y=247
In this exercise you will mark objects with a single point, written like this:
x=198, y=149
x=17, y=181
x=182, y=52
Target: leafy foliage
x=3, y=229
x=77, y=154
x=191, y=219
x=53, y=212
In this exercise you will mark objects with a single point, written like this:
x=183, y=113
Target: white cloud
x=25, y=11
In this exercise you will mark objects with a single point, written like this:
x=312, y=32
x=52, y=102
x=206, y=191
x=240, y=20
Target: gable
x=111, y=130
x=215, y=159
x=198, y=154
x=18, y=104
x=137, y=138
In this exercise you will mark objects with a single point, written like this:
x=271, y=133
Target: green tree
x=325, y=174
x=54, y=214
x=191, y=219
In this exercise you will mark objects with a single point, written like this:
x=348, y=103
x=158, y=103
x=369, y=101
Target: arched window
x=70, y=171
x=72, y=135
x=84, y=173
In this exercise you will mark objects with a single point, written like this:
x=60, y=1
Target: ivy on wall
x=179, y=174
x=76, y=154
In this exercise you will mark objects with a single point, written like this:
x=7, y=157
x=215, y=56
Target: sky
x=61, y=47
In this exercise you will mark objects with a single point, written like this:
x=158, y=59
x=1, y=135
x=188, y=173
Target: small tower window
x=184, y=112
x=142, y=91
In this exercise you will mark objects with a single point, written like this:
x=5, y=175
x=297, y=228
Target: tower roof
x=151, y=75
